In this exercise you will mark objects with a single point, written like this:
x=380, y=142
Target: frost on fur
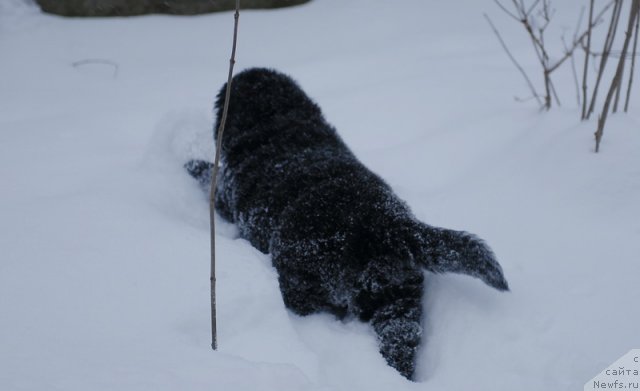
x=341, y=240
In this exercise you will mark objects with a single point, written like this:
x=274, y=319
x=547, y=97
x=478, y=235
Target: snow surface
x=104, y=246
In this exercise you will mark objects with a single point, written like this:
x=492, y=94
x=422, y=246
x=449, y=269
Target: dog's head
x=258, y=98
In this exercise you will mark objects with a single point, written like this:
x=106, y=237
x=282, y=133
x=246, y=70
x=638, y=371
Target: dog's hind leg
x=390, y=298
x=399, y=332
x=304, y=276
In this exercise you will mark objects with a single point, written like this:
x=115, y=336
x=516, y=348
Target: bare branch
x=502, y=7
x=546, y=14
x=536, y=26
x=605, y=53
x=532, y=7
x=633, y=63
x=575, y=33
x=518, y=99
x=547, y=90
x=553, y=91
x=633, y=15
x=577, y=41
x=575, y=74
x=515, y=62
x=612, y=54
x=619, y=87
x=586, y=61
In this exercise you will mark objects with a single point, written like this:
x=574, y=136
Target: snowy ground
x=104, y=245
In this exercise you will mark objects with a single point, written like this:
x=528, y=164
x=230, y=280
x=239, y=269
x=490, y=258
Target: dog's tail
x=449, y=251
x=201, y=170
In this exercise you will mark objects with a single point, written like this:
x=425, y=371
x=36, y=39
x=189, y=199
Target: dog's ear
x=201, y=170
x=449, y=251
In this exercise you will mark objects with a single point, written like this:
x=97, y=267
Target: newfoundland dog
x=341, y=240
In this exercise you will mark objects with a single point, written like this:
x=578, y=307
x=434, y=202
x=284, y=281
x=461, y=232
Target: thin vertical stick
x=633, y=63
x=573, y=59
x=618, y=88
x=586, y=62
x=214, y=181
x=575, y=79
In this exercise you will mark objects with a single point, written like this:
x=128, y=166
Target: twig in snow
x=536, y=27
x=605, y=52
x=515, y=62
x=214, y=180
x=586, y=62
x=633, y=63
x=101, y=61
x=575, y=75
x=617, y=79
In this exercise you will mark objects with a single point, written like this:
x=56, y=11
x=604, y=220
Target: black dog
x=341, y=240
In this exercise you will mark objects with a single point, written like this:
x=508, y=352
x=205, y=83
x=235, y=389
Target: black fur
x=341, y=240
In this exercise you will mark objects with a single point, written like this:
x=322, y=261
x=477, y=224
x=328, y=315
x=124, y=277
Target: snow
x=104, y=238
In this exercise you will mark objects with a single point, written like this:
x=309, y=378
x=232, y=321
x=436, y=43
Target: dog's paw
x=201, y=170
